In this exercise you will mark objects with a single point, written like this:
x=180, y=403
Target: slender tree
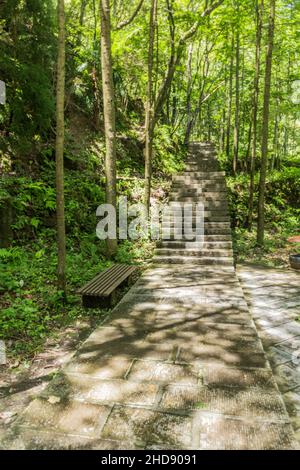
x=237, y=101
x=229, y=103
x=149, y=128
x=188, y=96
x=59, y=149
x=265, y=127
x=109, y=113
x=259, y=20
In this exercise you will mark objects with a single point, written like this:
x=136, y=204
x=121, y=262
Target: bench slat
x=106, y=282
x=111, y=288
x=106, y=275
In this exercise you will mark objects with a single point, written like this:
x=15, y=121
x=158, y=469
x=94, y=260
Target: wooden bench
x=100, y=291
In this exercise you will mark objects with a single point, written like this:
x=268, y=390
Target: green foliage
x=282, y=198
x=24, y=320
x=169, y=152
x=282, y=216
x=34, y=202
x=31, y=307
x=135, y=252
x=27, y=54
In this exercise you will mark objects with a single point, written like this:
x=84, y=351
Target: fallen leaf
x=53, y=399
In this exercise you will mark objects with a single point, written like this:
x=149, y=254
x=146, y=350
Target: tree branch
x=125, y=23
x=175, y=59
x=190, y=33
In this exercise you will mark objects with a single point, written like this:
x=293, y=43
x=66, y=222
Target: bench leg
x=129, y=280
x=112, y=298
x=89, y=301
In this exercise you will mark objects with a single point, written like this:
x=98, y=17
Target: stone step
x=186, y=192
x=199, y=185
x=190, y=227
x=192, y=252
x=202, y=183
x=202, y=156
x=207, y=225
x=191, y=236
x=203, y=188
x=215, y=196
x=206, y=245
x=198, y=175
x=203, y=152
x=201, y=192
x=169, y=220
x=209, y=205
x=219, y=231
x=194, y=179
x=202, y=162
x=190, y=182
x=202, y=165
x=201, y=168
x=190, y=260
x=207, y=213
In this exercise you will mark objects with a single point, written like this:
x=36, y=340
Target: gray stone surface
x=183, y=380
x=273, y=297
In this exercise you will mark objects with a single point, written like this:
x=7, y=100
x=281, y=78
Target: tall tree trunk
x=247, y=158
x=222, y=131
x=208, y=122
x=237, y=103
x=59, y=149
x=149, y=125
x=82, y=11
x=285, y=145
x=276, y=138
x=197, y=115
x=229, y=104
x=265, y=128
x=109, y=113
x=188, y=96
x=174, y=107
x=259, y=24
x=95, y=73
x=285, y=140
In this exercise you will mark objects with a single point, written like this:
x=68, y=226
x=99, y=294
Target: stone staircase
x=202, y=181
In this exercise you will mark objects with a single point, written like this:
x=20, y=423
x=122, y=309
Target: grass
x=31, y=307
x=275, y=252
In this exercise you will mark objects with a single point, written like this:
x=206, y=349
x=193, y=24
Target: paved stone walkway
x=274, y=299
x=178, y=364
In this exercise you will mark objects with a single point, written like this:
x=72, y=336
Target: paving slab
x=225, y=433
x=255, y=403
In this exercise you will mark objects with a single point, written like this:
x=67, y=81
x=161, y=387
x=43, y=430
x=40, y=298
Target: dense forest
x=102, y=99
